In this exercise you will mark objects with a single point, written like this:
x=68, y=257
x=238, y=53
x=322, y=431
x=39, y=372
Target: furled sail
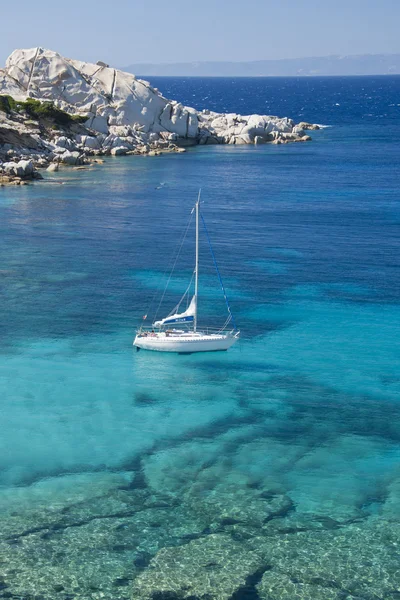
x=184, y=317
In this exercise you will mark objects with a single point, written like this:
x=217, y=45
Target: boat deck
x=185, y=341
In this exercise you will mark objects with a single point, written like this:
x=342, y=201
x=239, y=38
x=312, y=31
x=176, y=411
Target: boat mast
x=196, y=281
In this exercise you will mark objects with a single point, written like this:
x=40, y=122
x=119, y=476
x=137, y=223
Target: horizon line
x=259, y=60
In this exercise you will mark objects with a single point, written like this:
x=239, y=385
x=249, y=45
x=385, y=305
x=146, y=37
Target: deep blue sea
x=270, y=471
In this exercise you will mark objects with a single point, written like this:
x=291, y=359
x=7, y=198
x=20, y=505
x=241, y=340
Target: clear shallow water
x=288, y=441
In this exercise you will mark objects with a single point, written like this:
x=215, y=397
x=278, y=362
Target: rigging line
x=156, y=291
x=165, y=273
x=173, y=266
x=174, y=310
x=218, y=273
x=228, y=320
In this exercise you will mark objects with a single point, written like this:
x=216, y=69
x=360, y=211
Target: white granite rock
x=23, y=168
x=71, y=158
x=64, y=142
x=119, y=151
x=10, y=168
x=98, y=123
x=91, y=142
x=10, y=86
x=26, y=166
x=128, y=112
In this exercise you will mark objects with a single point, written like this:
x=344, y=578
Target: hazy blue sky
x=123, y=31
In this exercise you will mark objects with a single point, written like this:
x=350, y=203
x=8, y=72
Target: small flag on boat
x=144, y=317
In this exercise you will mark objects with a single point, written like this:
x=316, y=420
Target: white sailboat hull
x=185, y=344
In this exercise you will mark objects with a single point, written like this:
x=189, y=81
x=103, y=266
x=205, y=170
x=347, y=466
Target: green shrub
x=47, y=110
x=79, y=118
x=7, y=103
x=40, y=110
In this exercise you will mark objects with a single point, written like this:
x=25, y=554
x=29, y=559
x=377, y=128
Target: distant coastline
x=353, y=65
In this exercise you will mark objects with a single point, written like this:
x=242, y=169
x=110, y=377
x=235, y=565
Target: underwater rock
x=337, y=489
x=61, y=502
x=357, y=560
x=76, y=532
x=214, y=567
x=175, y=469
x=230, y=505
x=81, y=532
x=277, y=586
x=91, y=535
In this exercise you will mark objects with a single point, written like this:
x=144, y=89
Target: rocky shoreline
x=27, y=148
x=57, y=111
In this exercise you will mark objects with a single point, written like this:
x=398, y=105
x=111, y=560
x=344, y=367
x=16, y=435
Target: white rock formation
x=23, y=168
x=125, y=113
x=71, y=158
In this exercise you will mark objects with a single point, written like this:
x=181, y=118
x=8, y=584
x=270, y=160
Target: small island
x=58, y=111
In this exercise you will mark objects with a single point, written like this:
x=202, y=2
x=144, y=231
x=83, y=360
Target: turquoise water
x=269, y=471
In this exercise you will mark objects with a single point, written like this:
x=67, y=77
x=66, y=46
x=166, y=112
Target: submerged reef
x=112, y=536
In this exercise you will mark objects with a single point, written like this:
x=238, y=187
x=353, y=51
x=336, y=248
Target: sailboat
x=179, y=332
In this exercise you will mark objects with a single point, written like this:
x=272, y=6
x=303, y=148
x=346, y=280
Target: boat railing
x=206, y=330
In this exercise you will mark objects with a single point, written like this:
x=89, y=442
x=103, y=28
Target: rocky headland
x=57, y=111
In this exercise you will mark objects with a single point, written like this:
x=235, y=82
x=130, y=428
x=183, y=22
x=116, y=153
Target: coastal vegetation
x=40, y=110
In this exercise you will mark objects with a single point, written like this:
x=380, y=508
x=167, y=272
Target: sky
x=164, y=31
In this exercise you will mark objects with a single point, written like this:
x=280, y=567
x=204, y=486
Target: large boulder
x=23, y=169
x=119, y=151
x=91, y=142
x=71, y=158
x=64, y=142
